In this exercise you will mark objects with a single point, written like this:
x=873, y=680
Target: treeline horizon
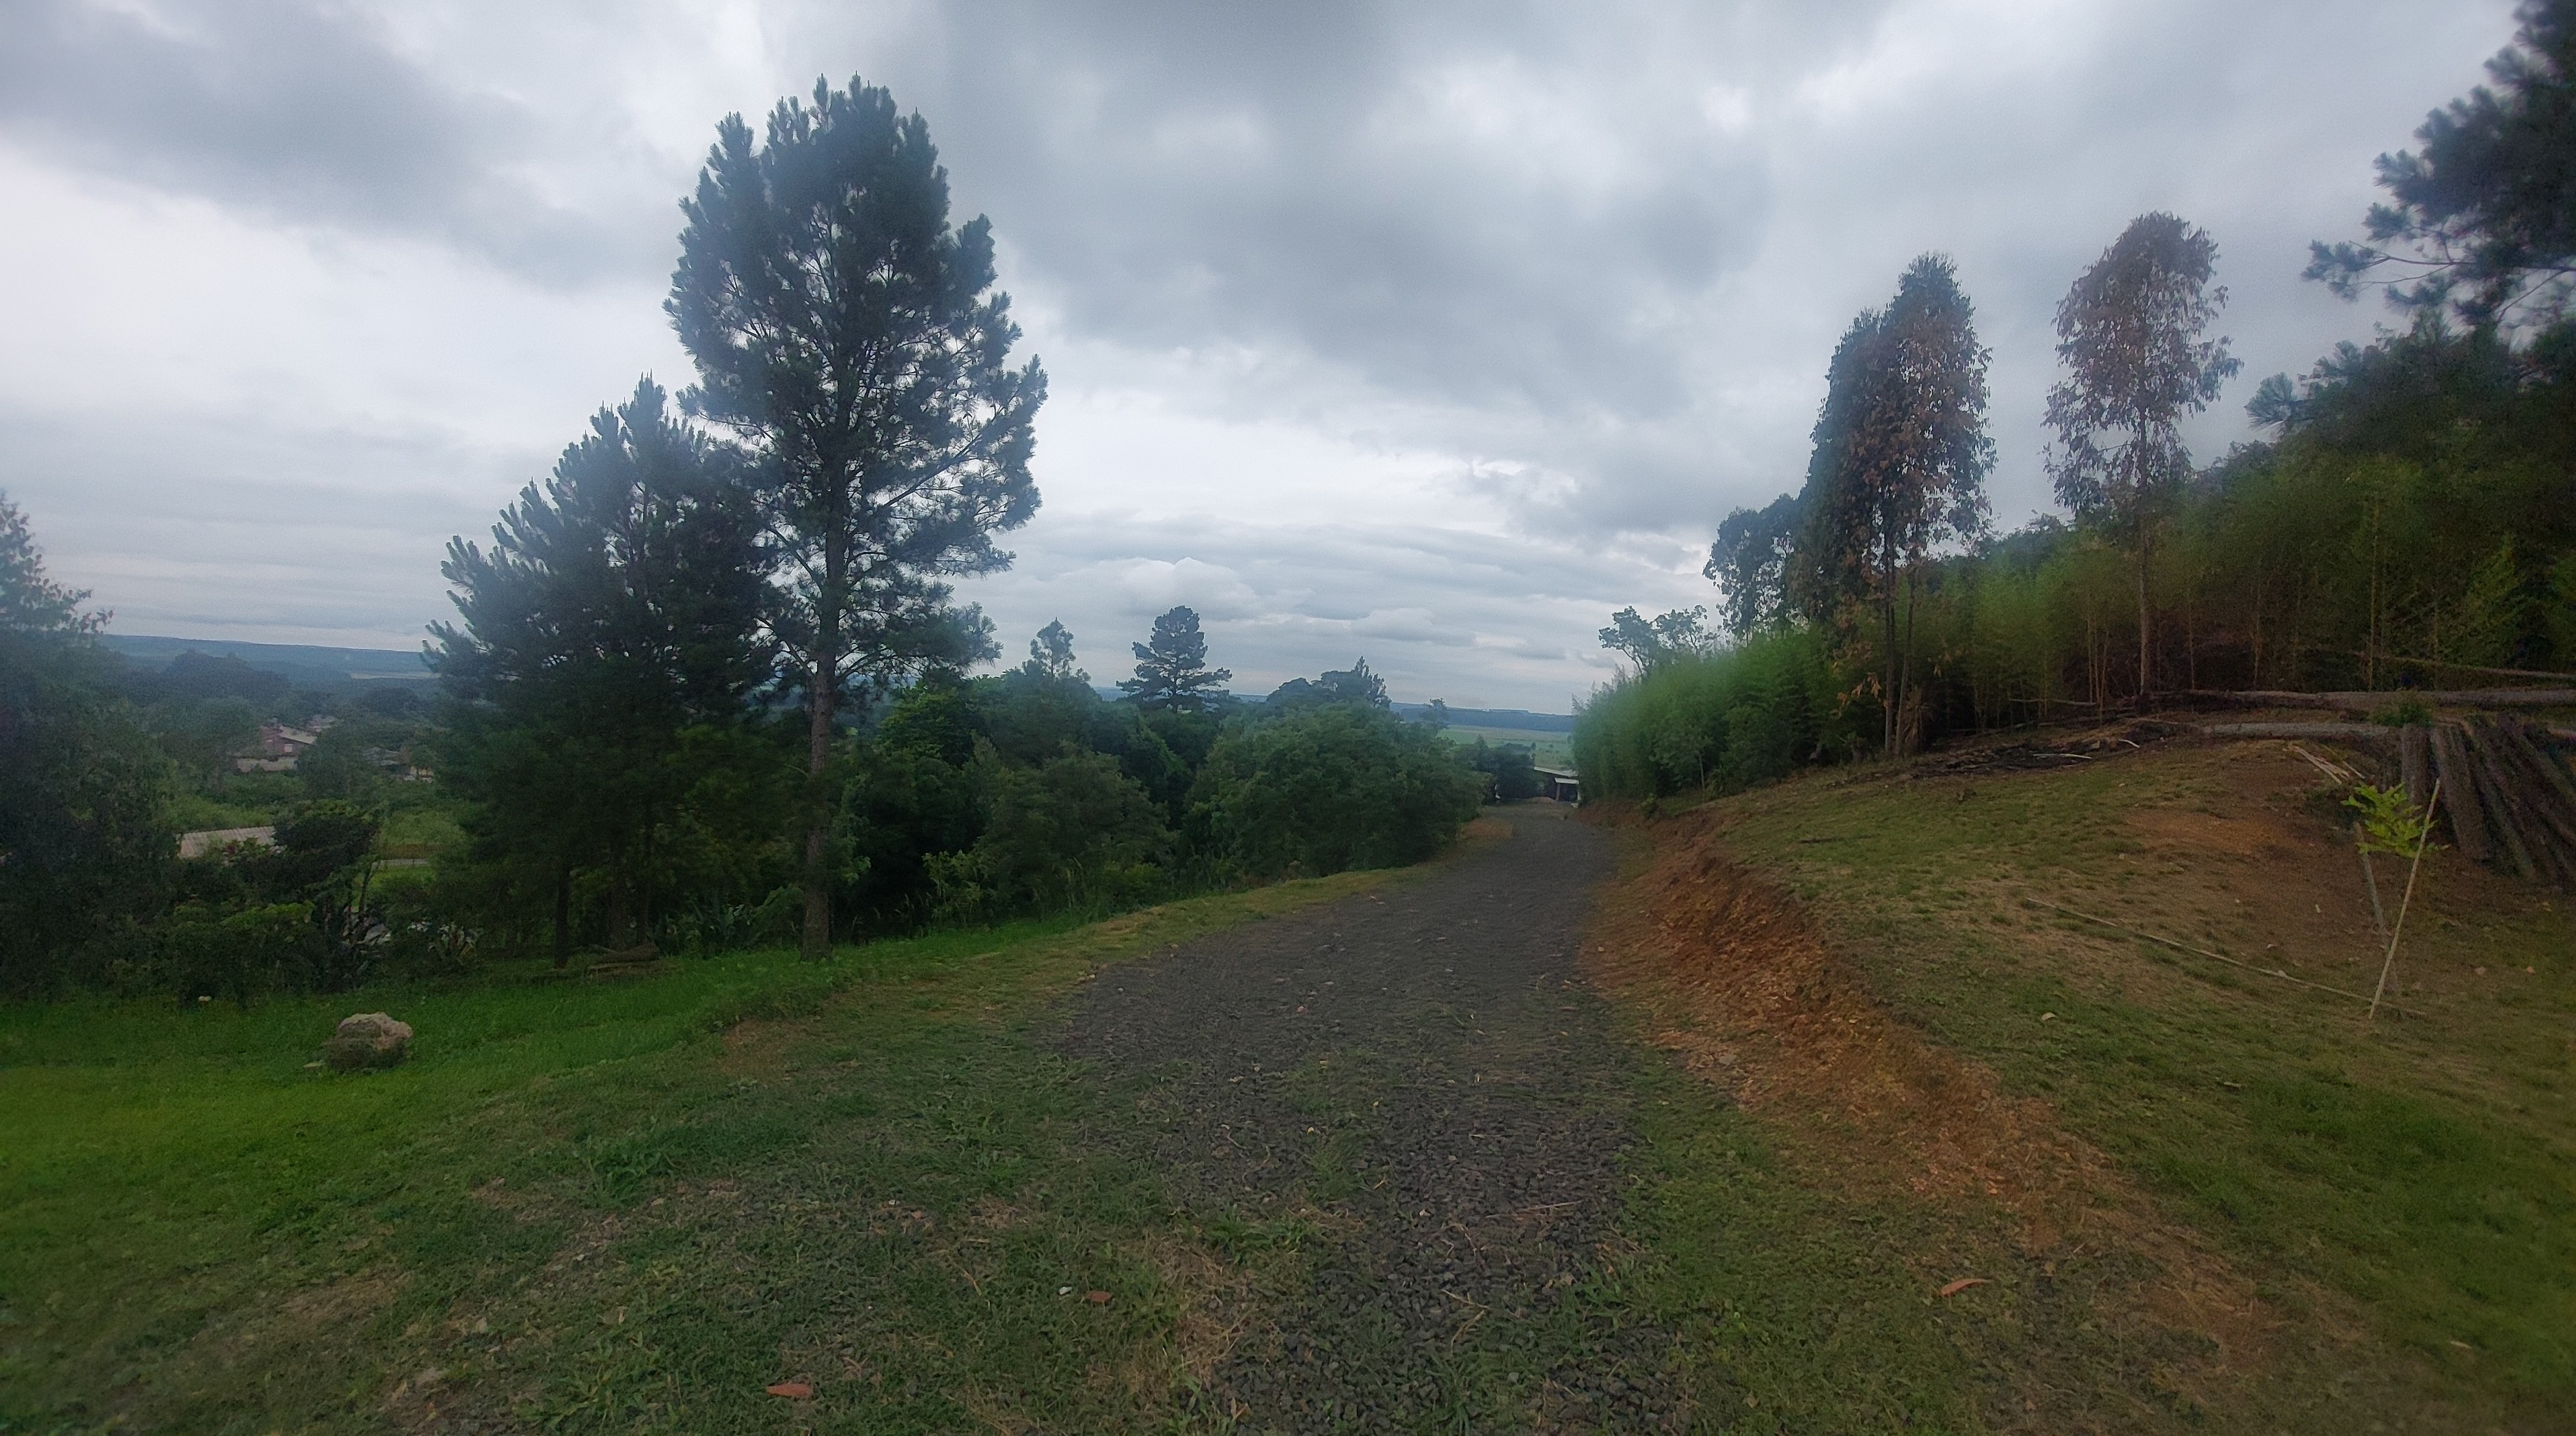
x=707, y=682
x=2407, y=520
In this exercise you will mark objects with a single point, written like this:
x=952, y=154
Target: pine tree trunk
x=563, y=914
x=816, y=944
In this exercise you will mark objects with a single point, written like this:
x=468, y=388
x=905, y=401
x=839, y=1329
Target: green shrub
x=241, y=956
x=1071, y=833
x=1320, y=790
x=1723, y=722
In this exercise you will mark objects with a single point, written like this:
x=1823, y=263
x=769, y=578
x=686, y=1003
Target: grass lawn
x=620, y=1204
x=2420, y=1171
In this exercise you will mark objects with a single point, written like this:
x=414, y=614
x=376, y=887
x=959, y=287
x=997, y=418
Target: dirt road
x=1414, y=1088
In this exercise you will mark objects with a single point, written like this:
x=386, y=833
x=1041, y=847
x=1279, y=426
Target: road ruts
x=1418, y=1076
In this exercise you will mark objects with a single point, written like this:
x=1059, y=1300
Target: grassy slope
x=194, y=1225
x=2421, y=1167
x=633, y=1205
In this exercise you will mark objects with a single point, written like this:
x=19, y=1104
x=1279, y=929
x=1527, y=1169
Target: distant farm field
x=1553, y=750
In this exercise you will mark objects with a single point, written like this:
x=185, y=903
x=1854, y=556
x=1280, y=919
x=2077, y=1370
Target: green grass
x=1790, y=1311
x=2424, y=1168
x=586, y=1195
x=631, y=1205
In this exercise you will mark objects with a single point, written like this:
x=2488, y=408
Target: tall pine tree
x=854, y=342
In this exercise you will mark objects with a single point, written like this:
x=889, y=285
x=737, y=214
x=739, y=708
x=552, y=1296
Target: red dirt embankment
x=1731, y=974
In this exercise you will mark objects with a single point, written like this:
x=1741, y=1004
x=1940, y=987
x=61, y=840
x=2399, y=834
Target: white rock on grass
x=369, y=1039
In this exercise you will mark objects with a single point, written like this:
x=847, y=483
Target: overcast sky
x=1420, y=332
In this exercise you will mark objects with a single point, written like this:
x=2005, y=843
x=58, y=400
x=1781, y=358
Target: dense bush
x=1321, y=789
x=1071, y=833
x=1723, y=722
x=1510, y=769
x=85, y=831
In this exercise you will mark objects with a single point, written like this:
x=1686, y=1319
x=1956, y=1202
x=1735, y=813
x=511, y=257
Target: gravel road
x=1414, y=1087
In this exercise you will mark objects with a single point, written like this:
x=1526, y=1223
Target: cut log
x=2415, y=763
x=2459, y=790
x=2547, y=801
x=2546, y=766
x=2371, y=734
x=2352, y=702
x=2498, y=798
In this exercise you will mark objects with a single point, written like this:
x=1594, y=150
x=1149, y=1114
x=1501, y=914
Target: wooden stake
x=2406, y=902
x=2378, y=915
x=2415, y=762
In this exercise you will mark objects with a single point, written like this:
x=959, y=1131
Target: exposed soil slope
x=1854, y=958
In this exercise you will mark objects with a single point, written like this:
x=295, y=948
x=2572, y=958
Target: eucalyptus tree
x=2130, y=334
x=852, y=339
x=1749, y=563
x=1900, y=461
x=1651, y=643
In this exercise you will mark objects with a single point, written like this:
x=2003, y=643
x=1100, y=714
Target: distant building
x=1560, y=784
x=199, y=844
x=279, y=747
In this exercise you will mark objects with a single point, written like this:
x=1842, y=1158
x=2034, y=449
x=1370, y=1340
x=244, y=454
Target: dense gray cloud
x=1426, y=331
x=310, y=113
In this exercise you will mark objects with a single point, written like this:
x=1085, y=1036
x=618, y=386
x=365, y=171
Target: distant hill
x=305, y=666
x=311, y=667
x=1520, y=718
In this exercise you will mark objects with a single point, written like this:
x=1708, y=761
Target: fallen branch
x=2447, y=667
x=2370, y=702
x=2370, y=733
x=2335, y=772
x=2205, y=952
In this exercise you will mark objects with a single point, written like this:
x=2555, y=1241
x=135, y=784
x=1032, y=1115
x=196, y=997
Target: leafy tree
x=203, y=738
x=2483, y=219
x=1069, y=832
x=1653, y=642
x=1749, y=563
x=1171, y=666
x=2129, y=332
x=1356, y=684
x=1051, y=656
x=913, y=794
x=1511, y=769
x=1327, y=788
x=31, y=604
x=85, y=831
x=616, y=613
x=855, y=343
